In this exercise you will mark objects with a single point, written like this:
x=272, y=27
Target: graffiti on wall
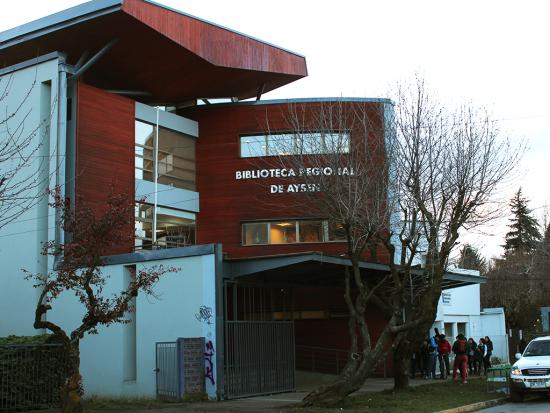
x=209, y=365
x=204, y=315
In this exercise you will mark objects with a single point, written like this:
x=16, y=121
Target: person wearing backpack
x=444, y=349
x=460, y=348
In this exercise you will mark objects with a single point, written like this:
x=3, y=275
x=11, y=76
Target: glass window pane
x=173, y=230
x=144, y=226
x=336, y=232
x=309, y=143
x=176, y=159
x=282, y=144
x=311, y=231
x=144, y=150
x=336, y=143
x=283, y=232
x=253, y=146
x=255, y=233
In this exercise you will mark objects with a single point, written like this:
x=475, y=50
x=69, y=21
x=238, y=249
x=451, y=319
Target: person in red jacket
x=460, y=348
x=444, y=349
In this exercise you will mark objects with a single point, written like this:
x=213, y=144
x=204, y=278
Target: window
x=311, y=231
x=175, y=156
x=255, y=233
x=282, y=232
x=290, y=232
x=174, y=228
x=309, y=143
x=336, y=232
x=129, y=361
x=461, y=329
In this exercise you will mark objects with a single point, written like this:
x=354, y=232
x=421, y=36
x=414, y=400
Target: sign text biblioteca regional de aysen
x=290, y=173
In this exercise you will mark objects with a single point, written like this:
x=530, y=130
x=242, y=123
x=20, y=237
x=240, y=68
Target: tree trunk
x=71, y=391
x=401, y=364
x=335, y=393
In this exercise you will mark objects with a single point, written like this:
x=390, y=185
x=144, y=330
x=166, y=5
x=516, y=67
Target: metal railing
x=328, y=360
x=320, y=359
x=31, y=376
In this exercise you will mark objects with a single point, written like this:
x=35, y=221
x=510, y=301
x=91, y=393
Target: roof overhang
x=317, y=269
x=167, y=55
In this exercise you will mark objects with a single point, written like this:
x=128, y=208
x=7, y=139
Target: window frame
x=294, y=136
x=325, y=231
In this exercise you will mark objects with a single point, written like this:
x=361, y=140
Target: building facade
x=121, y=95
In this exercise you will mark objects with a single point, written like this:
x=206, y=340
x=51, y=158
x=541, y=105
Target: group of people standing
x=470, y=358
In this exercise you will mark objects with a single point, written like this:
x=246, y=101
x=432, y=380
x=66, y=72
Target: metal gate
x=167, y=371
x=259, y=358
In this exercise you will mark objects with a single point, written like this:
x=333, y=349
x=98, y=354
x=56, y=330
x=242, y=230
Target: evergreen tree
x=471, y=259
x=524, y=235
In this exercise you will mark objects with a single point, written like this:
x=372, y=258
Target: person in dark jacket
x=417, y=361
x=430, y=352
x=444, y=349
x=471, y=352
x=460, y=348
x=479, y=356
x=488, y=353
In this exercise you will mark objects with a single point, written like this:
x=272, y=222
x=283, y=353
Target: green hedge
x=32, y=373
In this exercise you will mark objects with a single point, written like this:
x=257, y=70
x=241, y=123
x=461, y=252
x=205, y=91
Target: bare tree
x=80, y=274
x=335, y=158
x=23, y=183
x=420, y=177
x=448, y=165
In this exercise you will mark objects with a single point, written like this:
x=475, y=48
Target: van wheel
x=516, y=396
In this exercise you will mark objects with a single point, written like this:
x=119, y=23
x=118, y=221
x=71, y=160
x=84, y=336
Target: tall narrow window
x=129, y=338
x=145, y=146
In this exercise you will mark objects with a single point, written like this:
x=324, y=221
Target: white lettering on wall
x=288, y=173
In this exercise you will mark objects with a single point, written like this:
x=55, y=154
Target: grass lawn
x=427, y=398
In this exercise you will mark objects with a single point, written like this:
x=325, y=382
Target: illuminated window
x=282, y=232
x=308, y=143
x=291, y=232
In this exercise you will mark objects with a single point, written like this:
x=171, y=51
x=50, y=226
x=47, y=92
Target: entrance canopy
x=311, y=269
x=164, y=55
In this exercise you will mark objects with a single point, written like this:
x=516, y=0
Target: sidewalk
x=276, y=403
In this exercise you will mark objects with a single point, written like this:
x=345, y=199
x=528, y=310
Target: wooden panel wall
x=219, y=46
x=226, y=202
x=104, y=149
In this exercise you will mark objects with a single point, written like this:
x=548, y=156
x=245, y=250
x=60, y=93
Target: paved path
x=276, y=403
x=532, y=405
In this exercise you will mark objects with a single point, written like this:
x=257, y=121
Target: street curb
x=474, y=407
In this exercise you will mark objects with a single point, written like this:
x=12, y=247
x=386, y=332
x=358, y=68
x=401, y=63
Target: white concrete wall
x=20, y=241
x=166, y=318
x=464, y=307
